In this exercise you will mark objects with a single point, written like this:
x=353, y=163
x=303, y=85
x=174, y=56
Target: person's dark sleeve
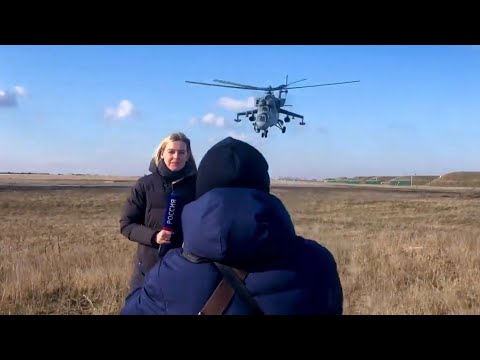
x=330, y=287
x=328, y=291
x=146, y=299
x=133, y=218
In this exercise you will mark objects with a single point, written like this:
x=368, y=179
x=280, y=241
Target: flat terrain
x=399, y=251
x=65, y=180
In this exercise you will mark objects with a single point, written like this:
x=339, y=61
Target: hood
x=232, y=163
x=237, y=226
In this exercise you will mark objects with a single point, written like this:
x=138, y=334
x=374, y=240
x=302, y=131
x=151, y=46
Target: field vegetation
x=398, y=252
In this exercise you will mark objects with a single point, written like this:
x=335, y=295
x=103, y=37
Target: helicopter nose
x=261, y=121
x=261, y=118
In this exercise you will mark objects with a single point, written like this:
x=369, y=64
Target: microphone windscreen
x=172, y=217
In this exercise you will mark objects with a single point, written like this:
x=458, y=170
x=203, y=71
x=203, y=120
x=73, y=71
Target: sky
x=104, y=109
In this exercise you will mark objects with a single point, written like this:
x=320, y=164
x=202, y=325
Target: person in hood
x=235, y=221
x=172, y=167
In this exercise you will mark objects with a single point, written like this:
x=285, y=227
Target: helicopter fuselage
x=267, y=114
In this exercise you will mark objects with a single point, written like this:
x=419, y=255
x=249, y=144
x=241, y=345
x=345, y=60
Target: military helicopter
x=268, y=107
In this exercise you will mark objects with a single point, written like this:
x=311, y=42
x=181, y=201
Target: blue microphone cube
x=172, y=213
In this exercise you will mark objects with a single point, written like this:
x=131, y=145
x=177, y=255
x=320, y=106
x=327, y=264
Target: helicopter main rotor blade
x=226, y=86
x=297, y=81
x=286, y=85
x=338, y=83
x=237, y=84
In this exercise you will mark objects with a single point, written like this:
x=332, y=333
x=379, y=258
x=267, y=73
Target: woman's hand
x=163, y=237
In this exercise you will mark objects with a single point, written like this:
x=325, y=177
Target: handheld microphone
x=172, y=213
x=171, y=219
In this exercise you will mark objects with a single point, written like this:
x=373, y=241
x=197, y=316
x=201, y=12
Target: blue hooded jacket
x=251, y=230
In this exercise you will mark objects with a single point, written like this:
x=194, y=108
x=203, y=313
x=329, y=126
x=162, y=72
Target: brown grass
x=397, y=252
x=51, y=177
x=458, y=179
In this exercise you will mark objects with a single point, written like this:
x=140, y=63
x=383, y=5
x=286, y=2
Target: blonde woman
x=172, y=167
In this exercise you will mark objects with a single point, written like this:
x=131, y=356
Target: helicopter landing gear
x=264, y=133
x=279, y=125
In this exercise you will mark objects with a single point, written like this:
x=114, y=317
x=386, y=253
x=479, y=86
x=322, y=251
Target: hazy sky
x=104, y=109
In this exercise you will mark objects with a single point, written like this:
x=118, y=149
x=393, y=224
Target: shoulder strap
x=233, y=277
x=232, y=282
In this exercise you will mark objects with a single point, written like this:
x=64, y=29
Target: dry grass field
x=398, y=252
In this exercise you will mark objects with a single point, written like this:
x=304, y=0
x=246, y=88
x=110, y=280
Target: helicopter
x=268, y=107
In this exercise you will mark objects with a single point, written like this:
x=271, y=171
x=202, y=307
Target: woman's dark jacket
x=144, y=211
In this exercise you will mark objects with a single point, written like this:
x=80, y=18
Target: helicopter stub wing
x=246, y=113
x=289, y=113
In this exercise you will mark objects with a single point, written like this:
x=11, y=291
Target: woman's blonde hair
x=176, y=136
